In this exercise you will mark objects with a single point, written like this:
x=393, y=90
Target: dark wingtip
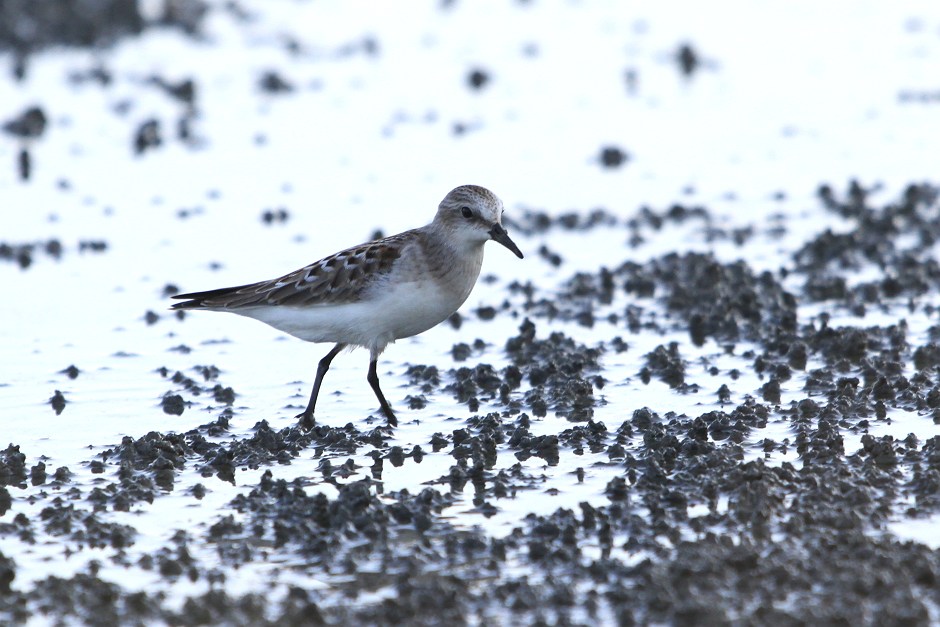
x=192, y=300
x=197, y=300
x=189, y=304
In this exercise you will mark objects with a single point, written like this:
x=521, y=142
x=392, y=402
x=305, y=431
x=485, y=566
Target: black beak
x=498, y=233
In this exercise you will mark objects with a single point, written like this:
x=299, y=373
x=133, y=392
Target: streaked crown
x=470, y=206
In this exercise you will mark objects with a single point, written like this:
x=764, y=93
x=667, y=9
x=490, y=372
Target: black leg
x=306, y=417
x=374, y=382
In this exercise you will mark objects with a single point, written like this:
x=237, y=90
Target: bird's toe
x=305, y=420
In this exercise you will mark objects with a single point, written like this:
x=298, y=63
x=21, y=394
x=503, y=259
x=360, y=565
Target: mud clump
x=12, y=466
x=27, y=26
x=613, y=157
x=666, y=364
x=719, y=301
x=24, y=254
x=561, y=372
x=30, y=124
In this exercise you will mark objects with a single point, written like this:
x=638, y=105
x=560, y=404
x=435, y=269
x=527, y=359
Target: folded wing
x=339, y=278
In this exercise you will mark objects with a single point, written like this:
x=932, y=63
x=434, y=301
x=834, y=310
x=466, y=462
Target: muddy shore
x=751, y=511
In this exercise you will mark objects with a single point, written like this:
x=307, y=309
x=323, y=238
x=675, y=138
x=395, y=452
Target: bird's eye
x=466, y=212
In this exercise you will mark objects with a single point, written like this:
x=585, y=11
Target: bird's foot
x=306, y=421
x=390, y=416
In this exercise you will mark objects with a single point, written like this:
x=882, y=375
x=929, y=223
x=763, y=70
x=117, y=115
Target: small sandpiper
x=375, y=293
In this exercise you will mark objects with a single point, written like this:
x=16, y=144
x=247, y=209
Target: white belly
x=390, y=312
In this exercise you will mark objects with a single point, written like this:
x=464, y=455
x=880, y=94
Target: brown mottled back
x=339, y=278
